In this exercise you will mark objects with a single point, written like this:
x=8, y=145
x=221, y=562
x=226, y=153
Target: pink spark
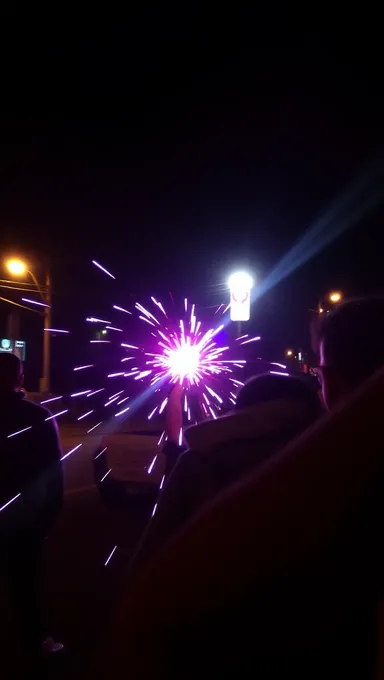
x=9, y=502
x=143, y=318
x=55, y=330
x=250, y=340
x=101, y=453
x=56, y=415
x=278, y=373
x=163, y=405
x=46, y=401
x=112, y=328
x=71, y=451
x=80, y=394
x=95, y=319
x=121, y=309
x=25, y=429
x=122, y=401
x=103, y=269
x=88, y=413
x=81, y=368
x=35, y=302
x=120, y=413
x=116, y=394
x=110, y=556
x=106, y=475
x=110, y=401
x=152, y=465
x=143, y=374
x=95, y=392
x=94, y=427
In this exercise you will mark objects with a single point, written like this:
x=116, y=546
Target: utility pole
x=13, y=326
x=45, y=382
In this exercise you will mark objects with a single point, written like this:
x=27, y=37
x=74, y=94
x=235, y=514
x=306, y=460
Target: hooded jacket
x=221, y=452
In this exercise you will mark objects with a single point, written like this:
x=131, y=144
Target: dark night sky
x=171, y=155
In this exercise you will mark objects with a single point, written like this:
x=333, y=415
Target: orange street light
x=289, y=352
x=16, y=267
x=335, y=297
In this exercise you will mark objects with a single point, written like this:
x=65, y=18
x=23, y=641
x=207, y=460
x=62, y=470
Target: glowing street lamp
x=16, y=267
x=289, y=352
x=335, y=297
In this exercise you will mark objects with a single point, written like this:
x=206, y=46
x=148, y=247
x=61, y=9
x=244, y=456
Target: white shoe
x=51, y=647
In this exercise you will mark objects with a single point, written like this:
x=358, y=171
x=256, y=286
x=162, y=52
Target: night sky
x=174, y=153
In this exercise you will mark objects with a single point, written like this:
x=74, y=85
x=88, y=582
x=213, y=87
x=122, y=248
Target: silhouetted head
x=351, y=345
x=11, y=372
x=269, y=387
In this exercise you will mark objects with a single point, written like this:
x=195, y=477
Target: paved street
x=80, y=590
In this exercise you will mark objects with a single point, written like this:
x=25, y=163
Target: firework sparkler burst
x=182, y=351
x=188, y=356
x=172, y=349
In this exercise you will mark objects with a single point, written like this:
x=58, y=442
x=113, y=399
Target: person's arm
x=172, y=510
x=172, y=449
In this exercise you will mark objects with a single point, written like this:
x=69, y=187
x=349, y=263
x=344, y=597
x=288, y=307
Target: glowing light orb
x=16, y=267
x=184, y=362
x=240, y=281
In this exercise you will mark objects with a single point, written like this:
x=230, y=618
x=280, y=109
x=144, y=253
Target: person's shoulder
x=191, y=460
x=34, y=411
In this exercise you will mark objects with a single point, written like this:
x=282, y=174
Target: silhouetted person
x=351, y=347
x=31, y=491
x=282, y=574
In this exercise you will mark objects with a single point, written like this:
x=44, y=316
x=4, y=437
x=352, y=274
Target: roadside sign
x=18, y=347
x=6, y=345
x=240, y=288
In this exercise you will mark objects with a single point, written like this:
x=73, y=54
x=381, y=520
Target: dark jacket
x=279, y=577
x=30, y=468
x=221, y=452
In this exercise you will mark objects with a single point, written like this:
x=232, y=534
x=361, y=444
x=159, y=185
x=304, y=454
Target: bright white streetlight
x=240, y=281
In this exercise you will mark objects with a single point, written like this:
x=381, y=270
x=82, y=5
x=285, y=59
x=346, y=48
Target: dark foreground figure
x=281, y=575
x=31, y=490
x=270, y=411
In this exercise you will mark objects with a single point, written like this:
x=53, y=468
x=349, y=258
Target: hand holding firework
x=174, y=414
